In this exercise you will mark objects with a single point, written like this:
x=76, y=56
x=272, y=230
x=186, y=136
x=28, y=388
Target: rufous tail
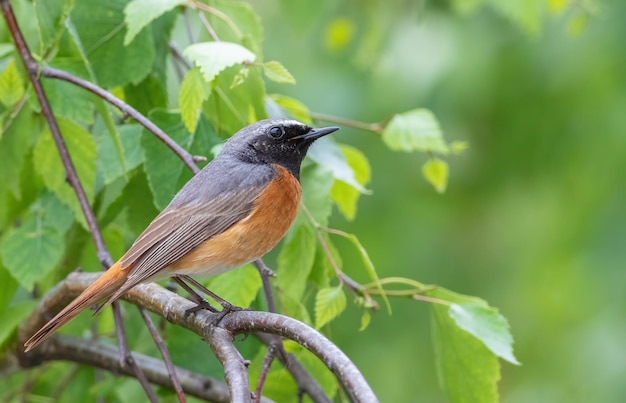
x=106, y=285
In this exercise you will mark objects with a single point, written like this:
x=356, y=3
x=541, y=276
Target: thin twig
x=372, y=127
x=275, y=347
x=126, y=356
x=208, y=26
x=219, y=15
x=165, y=354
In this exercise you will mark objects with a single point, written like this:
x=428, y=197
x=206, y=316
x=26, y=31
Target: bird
x=232, y=212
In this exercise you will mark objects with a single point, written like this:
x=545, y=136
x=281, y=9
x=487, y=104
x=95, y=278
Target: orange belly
x=250, y=238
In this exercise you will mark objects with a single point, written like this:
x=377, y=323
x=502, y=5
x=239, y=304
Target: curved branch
x=106, y=356
x=126, y=109
x=235, y=368
x=173, y=307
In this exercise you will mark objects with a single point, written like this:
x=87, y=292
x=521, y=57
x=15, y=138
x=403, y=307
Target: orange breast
x=250, y=238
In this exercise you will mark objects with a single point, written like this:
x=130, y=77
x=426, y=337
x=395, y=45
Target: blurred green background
x=533, y=219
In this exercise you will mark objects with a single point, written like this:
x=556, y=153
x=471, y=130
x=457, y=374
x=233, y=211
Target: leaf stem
x=218, y=14
x=372, y=127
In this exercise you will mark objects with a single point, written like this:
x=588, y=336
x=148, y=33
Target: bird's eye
x=276, y=132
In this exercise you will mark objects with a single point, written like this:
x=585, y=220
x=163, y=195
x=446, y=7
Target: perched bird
x=231, y=213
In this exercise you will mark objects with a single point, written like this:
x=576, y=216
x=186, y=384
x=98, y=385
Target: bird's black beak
x=315, y=134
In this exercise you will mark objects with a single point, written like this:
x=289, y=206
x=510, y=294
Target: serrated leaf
x=11, y=85
x=275, y=71
x=487, y=325
x=139, y=13
x=329, y=303
x=248, y=283
x=82, y=149
x=193, y=92
x=467, y=369
x=294, y=108
x=344, y=195
x=436, y=172
x=213, y=57
x=163, y=168
x=295, y=262
x=415, y=130
x=31, y=252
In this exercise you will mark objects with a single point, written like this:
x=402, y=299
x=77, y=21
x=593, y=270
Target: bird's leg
x=197, y=298
x=227, y=307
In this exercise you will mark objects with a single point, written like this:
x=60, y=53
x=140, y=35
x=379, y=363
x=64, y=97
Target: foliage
x=200, y=96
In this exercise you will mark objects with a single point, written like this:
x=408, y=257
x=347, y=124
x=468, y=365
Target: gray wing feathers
x=177, y=230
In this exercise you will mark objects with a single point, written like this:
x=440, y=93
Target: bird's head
x=275, y=141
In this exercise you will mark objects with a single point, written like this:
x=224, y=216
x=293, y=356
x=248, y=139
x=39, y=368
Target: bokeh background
x=534, y=217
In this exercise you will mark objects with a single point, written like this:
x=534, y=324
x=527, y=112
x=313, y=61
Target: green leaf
x=193, y=92
x=488, y=325
x=436, y=172
x=295, y=262
x=275, y=71
x=327, y=153
x=345, y=195
x=415, y=130
x=229, y=109
x=100, y=26
x=317, y=180
x=240, y=78
x=467, y=369
x=11, y=85
x=55, y=214
x=319, y=371
x=108, y=161
x=213, y=57
x=329, y=303
x=31, y=252
x=292, y=106
x=82, y=150
x=15, y=144
x=139, y=13
x=13, y=317
x=248, y=283
x=163, y=168
x=323, y=269
x=8, y=285
x=51, y=17
x=366, y=318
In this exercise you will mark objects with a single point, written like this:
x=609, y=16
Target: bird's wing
x=182, y=227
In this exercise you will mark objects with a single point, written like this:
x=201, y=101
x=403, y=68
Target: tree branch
x=173, y=307
x=127, y=110
x=106, y=356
